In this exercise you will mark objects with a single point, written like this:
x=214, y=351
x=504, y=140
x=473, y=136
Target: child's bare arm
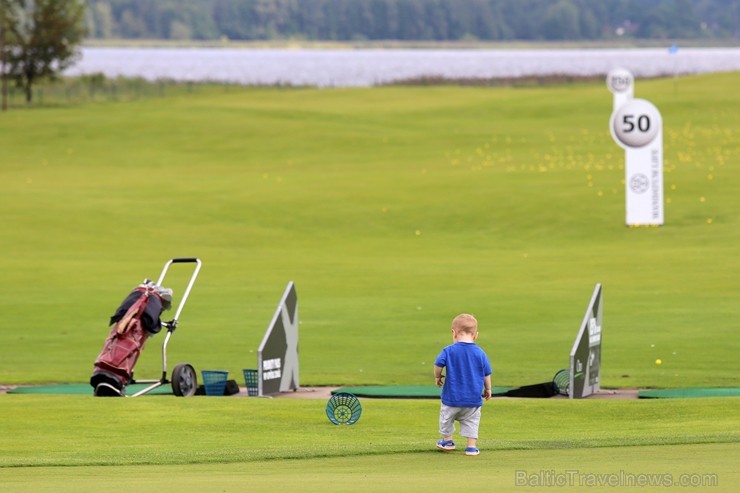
x=487, y=388
x=438, y=377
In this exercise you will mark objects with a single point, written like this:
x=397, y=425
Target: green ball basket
x=343, y=408
x=561, y=382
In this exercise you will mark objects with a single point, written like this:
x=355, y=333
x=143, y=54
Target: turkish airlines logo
x=639, y=183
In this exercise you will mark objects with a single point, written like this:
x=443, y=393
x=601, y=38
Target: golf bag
x=135, y=320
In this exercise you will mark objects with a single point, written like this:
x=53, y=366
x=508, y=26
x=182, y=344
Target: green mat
x=405, y=391
x=432, y=392
x=84, y=388
x=689, y=393
x=389, y=392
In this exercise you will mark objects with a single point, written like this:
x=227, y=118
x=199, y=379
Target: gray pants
x=468, y=417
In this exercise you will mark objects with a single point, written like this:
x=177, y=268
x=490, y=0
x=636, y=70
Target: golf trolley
x=135, y=321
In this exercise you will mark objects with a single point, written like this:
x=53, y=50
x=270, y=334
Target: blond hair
x=465, y=323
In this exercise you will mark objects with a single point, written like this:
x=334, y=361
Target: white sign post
x=636, y=125
x=621, y=83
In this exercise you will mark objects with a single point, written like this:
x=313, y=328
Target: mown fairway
x=77, y=443
x=393, y=209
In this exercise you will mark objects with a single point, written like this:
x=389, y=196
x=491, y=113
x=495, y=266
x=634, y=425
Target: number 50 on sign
x=637, y=127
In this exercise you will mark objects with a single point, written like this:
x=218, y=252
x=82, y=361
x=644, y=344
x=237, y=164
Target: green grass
x=393, y=209
x=516, y=196
x=78, y=431
x=515, y=470
x=233, y=440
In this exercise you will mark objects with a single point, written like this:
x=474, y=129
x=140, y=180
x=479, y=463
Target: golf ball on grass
x=658, y=362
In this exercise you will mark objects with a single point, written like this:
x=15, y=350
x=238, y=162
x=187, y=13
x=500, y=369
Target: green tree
x=43, y=39
x=561, y=21
x=99, y=20
x=5, y=20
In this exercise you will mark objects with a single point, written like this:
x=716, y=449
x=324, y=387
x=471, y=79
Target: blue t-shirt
x=467, y=366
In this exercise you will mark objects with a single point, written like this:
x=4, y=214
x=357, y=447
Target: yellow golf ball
x=658, y=361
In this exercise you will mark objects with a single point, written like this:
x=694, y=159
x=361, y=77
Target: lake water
x=363, y=67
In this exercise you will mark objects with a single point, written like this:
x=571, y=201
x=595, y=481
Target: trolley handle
x=180, y=260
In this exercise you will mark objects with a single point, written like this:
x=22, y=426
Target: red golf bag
x=136, y=319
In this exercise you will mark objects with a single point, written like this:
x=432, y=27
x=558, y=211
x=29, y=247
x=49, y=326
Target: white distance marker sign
x=621, y=83
x=637, y=126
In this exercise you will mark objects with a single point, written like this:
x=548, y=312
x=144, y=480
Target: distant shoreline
x=406, y=45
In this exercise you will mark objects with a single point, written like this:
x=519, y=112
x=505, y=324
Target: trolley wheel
x=184, y=380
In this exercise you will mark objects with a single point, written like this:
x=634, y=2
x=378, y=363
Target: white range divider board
x=278, y=353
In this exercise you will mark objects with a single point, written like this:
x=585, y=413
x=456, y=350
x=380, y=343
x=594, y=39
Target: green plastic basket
x=214, y=381
x=251, y=379
x=343, y=408
x=561, y=382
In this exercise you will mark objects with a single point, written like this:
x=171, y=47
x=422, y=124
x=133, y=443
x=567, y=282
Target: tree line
x=417, y=20
x=40, y=38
